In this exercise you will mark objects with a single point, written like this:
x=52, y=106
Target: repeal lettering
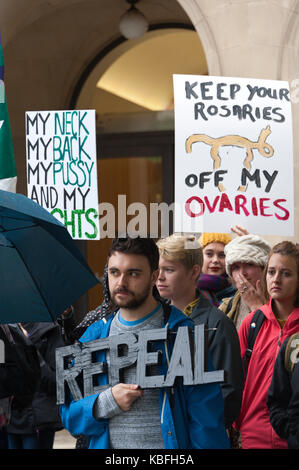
x=189, y=360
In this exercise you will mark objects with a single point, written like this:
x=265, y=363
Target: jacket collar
x=292, y=319
x=176, y=318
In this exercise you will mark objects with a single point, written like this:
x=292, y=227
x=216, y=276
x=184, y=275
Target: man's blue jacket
x=192, y=417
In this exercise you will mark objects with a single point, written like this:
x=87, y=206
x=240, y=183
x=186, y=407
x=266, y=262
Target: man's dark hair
x=137, y=246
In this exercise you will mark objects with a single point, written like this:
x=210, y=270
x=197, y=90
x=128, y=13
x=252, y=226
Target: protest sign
x=233, y=155
x=62, y=168
x=189, y=360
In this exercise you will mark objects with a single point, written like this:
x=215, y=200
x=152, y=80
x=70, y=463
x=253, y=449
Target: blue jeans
x=38, y=440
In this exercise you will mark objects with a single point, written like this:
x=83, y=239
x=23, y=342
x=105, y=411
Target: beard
x=135, y=301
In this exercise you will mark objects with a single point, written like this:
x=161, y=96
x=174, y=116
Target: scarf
x=215, y=287
x=213, y=283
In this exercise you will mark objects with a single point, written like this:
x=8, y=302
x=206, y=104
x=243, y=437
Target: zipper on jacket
x=163, y=406
x=279, y=337
x=279, y=341
x=165, y=395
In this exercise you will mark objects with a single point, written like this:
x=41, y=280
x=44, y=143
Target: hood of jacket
x=293, y=318
x=38, y=330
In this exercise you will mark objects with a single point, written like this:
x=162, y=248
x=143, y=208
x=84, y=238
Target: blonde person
x=245, y=259
x=180, y=265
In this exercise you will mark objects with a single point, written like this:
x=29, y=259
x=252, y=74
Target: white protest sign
x=62, y=168
x=233, y=155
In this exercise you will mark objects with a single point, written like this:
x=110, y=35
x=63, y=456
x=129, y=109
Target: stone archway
x=201, y=24
x=288, y=63
x=288, y=69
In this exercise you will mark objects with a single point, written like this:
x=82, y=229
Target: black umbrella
x=42, y=271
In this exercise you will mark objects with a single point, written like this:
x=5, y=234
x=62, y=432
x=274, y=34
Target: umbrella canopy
x=42, y=271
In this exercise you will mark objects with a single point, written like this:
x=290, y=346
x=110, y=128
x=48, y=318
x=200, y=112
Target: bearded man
x=124, y=416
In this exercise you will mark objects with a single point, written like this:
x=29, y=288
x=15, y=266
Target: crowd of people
x=244, y=291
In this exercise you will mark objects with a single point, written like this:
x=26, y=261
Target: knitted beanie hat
x=207, y=238
x=246, y=249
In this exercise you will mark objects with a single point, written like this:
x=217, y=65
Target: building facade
x=57, y=51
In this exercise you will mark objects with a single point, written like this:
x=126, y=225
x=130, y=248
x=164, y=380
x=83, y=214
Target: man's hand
x=126, y=394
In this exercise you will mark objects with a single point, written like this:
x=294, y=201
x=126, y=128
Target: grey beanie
x=246, y=249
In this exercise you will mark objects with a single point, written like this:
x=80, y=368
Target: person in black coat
x=16, y=376
x=35, y=419
x=179, y=270
x=283, y=399
x=11, y=382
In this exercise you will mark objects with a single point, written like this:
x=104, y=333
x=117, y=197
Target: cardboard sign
x=62, y=168
x=188, y=360
x=233, y=155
